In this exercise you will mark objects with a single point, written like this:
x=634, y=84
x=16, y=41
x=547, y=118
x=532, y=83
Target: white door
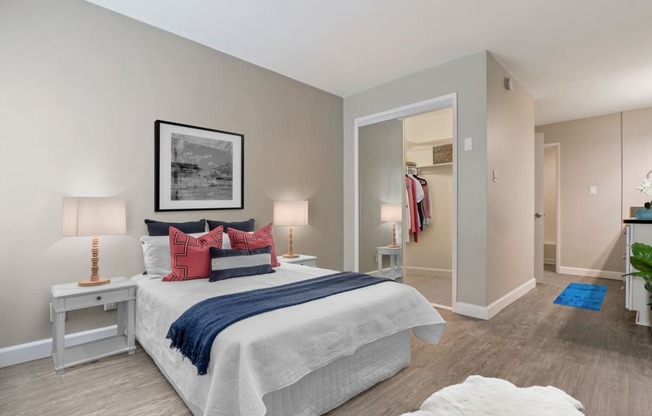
x=538, y=207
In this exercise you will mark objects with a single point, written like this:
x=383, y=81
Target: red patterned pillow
x=189, y=256
x=241, y=240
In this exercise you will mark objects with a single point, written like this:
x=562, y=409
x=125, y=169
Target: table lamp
x=93, y=216
x=290, y=213
x=391, y=213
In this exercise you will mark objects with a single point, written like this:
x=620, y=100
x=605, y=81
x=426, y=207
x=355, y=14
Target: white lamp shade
x=390, y=212
x=290, y=212
x=90, y=216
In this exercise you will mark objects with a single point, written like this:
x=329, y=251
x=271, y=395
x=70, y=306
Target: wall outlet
x=109, y=307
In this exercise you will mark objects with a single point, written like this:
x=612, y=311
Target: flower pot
x=644, y=214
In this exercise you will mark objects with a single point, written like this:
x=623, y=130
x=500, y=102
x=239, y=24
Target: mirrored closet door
x=406, y=195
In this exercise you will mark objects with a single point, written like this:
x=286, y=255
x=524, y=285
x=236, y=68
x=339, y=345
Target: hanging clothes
x=418, y=205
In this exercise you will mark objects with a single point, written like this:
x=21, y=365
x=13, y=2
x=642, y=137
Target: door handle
x=538, y=215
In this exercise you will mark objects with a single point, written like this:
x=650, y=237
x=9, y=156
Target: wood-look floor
x=438, y=290
x=601, y=358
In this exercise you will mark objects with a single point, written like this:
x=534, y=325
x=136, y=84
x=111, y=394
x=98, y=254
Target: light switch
x=468, y=143
x=495, y=175
x=593, y=190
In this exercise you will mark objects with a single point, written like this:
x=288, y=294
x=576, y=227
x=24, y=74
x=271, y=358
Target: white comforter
x=267, y=352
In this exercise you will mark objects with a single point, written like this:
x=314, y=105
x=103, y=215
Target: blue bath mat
x=579, y=295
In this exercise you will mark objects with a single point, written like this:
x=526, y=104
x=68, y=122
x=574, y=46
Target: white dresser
x=636, y=297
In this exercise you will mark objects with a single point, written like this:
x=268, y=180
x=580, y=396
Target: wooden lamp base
x=98, y=282
x=95, y=279
x=393, y=245
x=290, y=254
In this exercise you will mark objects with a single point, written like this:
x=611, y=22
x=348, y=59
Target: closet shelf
x=435, y=166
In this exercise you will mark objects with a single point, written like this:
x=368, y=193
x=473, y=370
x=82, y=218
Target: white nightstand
x=71, y=296
x=303, y=260
x=395, y=260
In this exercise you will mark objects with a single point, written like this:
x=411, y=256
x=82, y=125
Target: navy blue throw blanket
x=194, y=332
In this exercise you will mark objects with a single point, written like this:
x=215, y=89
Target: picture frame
x=197, y=168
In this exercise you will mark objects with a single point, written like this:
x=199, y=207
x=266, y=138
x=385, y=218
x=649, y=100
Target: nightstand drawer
x=85, y=301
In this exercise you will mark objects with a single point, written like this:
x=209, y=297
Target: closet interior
x=427, y=253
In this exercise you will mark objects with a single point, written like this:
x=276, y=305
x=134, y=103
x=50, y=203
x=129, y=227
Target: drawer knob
x=99, y=298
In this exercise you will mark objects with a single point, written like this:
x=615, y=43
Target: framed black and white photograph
x=197, y=168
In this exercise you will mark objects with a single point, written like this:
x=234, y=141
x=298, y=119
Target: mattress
x=267, y=353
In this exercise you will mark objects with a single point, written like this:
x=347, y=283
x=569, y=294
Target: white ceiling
x=577, y=58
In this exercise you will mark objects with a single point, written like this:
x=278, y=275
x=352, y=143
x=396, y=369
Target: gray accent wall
x=493, y=221
x=81, y=89
x=466, y=77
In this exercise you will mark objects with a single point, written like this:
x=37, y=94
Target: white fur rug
x=480, y=396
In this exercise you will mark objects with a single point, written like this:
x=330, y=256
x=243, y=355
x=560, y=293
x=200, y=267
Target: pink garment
x=417, y=191
x=414, y=214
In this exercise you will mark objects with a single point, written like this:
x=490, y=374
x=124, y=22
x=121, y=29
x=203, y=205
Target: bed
x=301, y=360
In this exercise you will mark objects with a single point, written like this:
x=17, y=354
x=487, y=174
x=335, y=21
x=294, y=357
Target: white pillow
x=156, y=254
x=226, y=243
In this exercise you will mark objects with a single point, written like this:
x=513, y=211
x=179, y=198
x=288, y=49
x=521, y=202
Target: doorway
x=428, y=139
x=368, y=222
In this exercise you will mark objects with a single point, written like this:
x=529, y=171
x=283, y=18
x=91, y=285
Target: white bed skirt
x=328, y=387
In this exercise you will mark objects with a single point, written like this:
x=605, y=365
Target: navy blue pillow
x=238, y=225
x=163, y=228
x=226, y=264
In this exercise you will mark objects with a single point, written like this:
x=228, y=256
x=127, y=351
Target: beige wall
x=510, y=201
x=433, y=125
x=550, y=196
x=81, y=89
x=381, y=181
x=611, y=152
x=590, y=155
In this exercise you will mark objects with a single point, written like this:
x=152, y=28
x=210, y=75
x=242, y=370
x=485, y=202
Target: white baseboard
x=430, y=271
x=591, y=273
x=469, y=309
x=488, y=312
x=549, y=261
x=512, y=296
x=41, y=349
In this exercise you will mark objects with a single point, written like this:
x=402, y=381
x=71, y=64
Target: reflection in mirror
x=380, y=182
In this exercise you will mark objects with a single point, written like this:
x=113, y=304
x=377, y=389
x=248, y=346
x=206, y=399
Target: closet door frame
x=448, y=100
